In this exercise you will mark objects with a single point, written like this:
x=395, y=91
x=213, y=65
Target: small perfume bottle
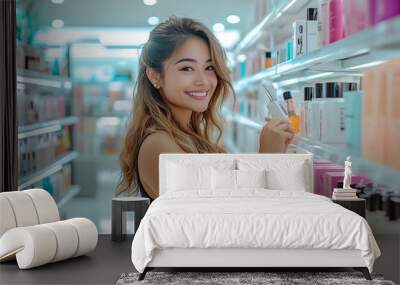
x=294, y=119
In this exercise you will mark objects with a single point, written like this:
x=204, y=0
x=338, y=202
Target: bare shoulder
x=157, y=143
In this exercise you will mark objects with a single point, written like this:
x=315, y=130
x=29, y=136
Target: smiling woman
x=182, y=82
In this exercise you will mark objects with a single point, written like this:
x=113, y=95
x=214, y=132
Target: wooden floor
x=102, y=266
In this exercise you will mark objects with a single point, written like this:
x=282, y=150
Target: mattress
x=251, y=219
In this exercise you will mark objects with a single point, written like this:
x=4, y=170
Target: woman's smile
x=197, y=95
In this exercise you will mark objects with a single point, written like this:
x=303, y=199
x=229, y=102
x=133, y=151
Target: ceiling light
x=57, y=1
x=218, y=27
x=150, y=2
x=233, y=19
x=153, y=21
x=57, y=23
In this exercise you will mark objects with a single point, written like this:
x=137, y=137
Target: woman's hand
x=275, y=136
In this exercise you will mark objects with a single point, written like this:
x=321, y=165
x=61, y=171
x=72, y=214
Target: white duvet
x=251, y=218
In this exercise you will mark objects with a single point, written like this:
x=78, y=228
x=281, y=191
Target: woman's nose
x=201, y=78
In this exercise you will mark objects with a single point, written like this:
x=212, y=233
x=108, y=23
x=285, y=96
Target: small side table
x=121, y=205
x=356, y=205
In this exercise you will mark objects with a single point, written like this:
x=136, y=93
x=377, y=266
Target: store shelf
x=71, y=193
x=45, y=127
x=29, y=77
x=282, y=7
x=47, y=171
x=344, y=58
x=337, y=153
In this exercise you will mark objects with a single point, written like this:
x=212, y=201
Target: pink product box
x=380, y=10
x=331, y=179
x=319, y=171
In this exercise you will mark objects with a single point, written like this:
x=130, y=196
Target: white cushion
x=31, y=232
x=183, y=177
x=7, y=220
x=251, y=178
x=40, y=244
x=223, y=179
x=283, y=174
x=293, y=180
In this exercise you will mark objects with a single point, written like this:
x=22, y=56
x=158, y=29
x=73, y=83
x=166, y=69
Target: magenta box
x=331, y=179
x=319, y=171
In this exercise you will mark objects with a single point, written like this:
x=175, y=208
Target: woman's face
x=189, y=79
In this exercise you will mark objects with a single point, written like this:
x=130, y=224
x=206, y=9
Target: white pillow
x=251, y=178
x=293, y=180
x=223, y=179
x=285, y=173
x=181, y=177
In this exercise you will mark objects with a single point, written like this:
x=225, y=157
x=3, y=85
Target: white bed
x=200, y=223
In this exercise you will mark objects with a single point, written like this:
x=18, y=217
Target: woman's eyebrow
x=190, y=60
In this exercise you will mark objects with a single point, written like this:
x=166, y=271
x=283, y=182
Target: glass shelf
x=47, y=171
x=45, y=127
x=337, y=153
x=347, y=56
x=30, y=77
x=272, y=18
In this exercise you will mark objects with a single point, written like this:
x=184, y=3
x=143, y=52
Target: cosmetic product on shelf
x=312, y=30
x=374, y=114
x=299, y=38
x=319, y=171
x=305, y=113
x=335, y=20
x=294, y=119
x=380, y=10
x=332, y=124
x=356, y=16
x=268, y=59
x=289, y=50
x=352, y=113
x=323, y=22
x=392, y=126
x=314, y=115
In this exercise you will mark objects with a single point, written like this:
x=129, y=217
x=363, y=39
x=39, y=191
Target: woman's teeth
x=197, y=94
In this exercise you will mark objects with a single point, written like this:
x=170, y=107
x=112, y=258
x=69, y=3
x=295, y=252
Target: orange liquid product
x=295, y=123
x=294, y=119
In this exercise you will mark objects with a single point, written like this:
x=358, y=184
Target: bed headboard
x=283, y=163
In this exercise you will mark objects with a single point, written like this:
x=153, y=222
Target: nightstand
x=356, y=205
x=122, y=205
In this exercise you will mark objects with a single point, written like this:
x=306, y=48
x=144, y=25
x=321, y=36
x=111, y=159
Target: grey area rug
x=228, y=278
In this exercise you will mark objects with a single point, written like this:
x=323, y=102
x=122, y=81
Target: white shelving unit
x=47, y=171
x=343, y=61
x=344, y=58
x=26, y=80
x=335, y=153
x=45, y=127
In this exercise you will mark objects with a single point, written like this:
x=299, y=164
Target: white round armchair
x=31, y=230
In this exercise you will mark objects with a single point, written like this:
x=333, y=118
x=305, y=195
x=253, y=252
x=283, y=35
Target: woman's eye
x=187, y=68
x=212, y=68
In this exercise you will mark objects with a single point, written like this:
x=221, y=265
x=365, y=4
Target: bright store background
x=77, y=62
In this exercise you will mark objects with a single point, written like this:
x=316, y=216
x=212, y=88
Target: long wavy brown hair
x=150, y=111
